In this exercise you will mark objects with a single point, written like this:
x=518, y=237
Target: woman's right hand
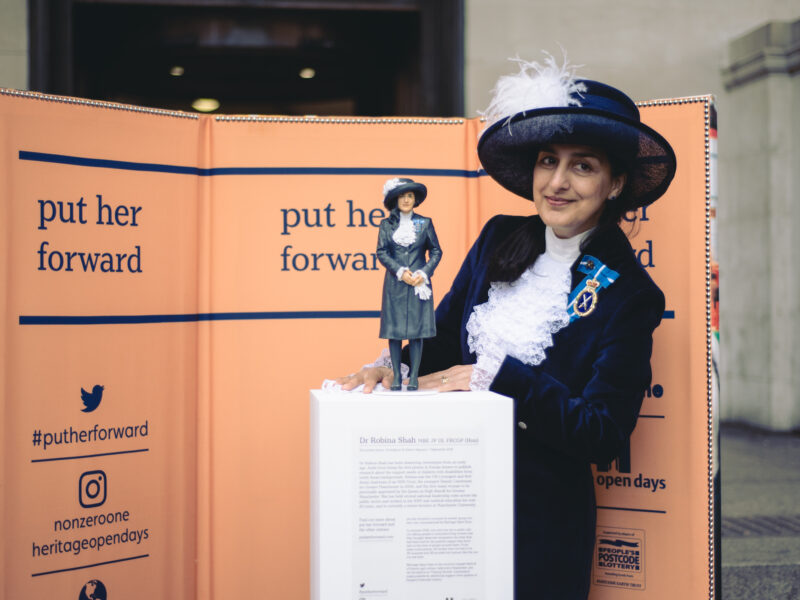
x=369, y=376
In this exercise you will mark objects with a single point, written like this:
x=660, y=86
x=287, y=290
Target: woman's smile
x=557, y=201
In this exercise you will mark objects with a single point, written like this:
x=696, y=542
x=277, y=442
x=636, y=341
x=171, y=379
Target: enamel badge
x=586, y=301
x=584, y=298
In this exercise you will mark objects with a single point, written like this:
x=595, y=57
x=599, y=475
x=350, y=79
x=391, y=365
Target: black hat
x=549, y=106
x=400, y=185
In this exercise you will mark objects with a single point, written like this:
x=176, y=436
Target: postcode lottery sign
x=174, y=285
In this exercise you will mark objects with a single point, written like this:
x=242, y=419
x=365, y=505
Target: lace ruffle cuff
x=384, y=360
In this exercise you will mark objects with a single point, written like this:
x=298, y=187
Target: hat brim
x=509, y=147
x=419, y=189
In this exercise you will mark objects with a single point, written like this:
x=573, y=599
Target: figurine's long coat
x=577, y=407
x=404, y=316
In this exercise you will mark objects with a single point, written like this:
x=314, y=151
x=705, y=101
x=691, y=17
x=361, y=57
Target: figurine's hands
x=450, y=380
x=369, y=376
x=411, y=279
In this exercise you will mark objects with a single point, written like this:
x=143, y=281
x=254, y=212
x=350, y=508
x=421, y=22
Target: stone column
x=759, y=225
x=14, y=44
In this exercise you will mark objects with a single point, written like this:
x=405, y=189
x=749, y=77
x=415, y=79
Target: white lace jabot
x=405, y=234
x=520, y=318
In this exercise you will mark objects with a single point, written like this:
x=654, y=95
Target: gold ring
x=444, y=379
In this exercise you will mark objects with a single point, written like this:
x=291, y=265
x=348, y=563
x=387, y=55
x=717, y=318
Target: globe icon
x=93, y=590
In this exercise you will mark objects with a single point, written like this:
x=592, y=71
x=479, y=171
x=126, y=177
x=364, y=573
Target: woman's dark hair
x=394, y=215
x=525, y=244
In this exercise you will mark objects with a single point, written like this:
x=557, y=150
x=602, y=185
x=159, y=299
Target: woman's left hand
x=450, y=380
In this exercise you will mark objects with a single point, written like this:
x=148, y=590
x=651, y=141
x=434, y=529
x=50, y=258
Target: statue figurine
x=404, y=238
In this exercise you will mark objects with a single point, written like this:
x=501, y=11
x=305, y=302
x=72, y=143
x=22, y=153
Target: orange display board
x=174, y=285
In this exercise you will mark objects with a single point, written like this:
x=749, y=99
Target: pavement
x=760, y=514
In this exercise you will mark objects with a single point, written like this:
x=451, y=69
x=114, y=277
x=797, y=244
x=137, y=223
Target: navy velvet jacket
x=578, y=406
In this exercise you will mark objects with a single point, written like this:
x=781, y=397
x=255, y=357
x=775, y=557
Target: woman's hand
x=369, y=376
x=412, y=280
x=452, y=379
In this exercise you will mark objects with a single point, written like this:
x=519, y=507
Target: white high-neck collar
x=405, y=216
x=564, y=250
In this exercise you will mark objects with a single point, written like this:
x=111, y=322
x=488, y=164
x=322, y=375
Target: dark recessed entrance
x=346, y=58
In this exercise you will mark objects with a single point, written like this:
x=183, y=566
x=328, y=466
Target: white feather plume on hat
x=535, y=86
x=390, y=185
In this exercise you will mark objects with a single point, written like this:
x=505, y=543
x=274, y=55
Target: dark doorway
x=266, y=57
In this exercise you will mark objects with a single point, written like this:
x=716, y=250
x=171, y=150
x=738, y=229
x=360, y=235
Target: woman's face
x=570, y=185
x=406, y=201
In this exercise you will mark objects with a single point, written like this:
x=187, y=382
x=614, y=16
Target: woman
x=404, y=238
x=554, y=310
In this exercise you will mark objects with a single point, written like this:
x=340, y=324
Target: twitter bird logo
x=92, y=400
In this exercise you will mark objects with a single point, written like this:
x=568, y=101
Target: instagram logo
x=92, y=489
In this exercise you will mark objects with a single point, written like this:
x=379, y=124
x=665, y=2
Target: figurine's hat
x=400, y=185
x=547, y=105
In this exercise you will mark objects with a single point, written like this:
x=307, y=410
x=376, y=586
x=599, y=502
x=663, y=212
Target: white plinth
x=411, y=496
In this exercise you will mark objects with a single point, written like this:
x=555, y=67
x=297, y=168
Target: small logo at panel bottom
x=93, y=590
x=619, y=558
